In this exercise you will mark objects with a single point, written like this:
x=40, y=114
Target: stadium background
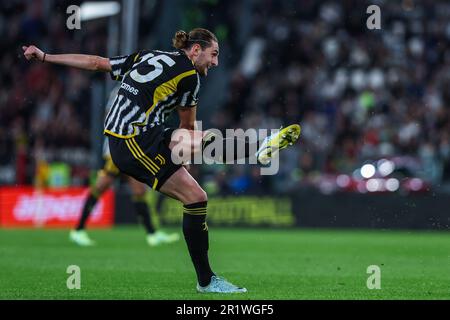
x=374, y=106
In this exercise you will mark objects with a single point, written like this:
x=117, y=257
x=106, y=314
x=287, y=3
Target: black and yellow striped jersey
x=154, y=83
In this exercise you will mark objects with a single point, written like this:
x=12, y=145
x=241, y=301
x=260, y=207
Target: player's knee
x=196, y=141
x=200, y=195
x=197, y=146
x=196, y=194
x=185, y=188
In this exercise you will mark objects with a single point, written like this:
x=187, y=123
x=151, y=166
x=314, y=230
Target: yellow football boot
x=271, y=145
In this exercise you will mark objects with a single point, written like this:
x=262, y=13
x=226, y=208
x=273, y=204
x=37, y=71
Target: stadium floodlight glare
x=368, y=170
x=392, y=184
x=385, y=167
x=373, y=185
x=416, y=184
x=361, y=186
x=343, y=180
x=95, y=10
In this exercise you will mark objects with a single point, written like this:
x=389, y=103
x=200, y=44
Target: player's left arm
x=116, y=66
x=80, y=61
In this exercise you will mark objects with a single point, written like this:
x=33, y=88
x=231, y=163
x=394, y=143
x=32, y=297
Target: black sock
x=87, y=209
x=242, y=149
x=143, y=213
x=195, y=232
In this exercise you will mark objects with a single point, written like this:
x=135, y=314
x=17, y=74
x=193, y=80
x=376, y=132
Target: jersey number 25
x=152, y=60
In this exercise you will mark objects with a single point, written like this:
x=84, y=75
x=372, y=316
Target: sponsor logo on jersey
x=129, y=88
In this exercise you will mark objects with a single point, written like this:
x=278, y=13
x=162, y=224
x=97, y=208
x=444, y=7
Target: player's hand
x=33, y=53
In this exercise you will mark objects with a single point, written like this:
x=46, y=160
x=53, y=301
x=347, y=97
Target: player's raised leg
x=190, y=142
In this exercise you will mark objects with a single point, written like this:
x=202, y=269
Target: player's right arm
x=80, y=61
x=188, y=88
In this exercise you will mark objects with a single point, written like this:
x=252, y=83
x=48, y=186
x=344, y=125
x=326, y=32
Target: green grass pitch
x=272, y=264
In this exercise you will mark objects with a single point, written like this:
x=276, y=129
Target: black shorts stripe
x=144, y=155
x=147, y=157
x=130, y=147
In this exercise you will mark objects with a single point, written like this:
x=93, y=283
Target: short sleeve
x=188, y=89
x=121, y=64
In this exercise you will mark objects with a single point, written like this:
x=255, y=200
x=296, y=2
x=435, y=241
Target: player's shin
x=195, y=230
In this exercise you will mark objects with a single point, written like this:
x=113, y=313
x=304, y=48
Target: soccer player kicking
x=105, y=179
x=154, y=84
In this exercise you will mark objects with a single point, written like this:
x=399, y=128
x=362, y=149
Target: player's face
x=207, y=58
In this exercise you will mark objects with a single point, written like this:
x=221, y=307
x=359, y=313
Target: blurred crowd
x=359, y=94
x=45, y=110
